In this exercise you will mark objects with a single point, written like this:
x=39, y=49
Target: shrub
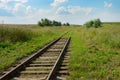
x=89, y=24
x=14, y=34
x=93, y=23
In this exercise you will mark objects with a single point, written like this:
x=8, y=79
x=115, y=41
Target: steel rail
x=51, y=75
x=22, y=65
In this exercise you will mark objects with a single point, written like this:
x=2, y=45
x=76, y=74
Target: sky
x=72, y=11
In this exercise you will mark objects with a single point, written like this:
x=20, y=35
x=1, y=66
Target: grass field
x=95, y=52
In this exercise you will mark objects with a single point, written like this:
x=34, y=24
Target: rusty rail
x=19, y=67
x=51, y=75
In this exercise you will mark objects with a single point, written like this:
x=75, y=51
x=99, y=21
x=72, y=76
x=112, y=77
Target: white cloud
x=77, y=18
x=107, y=5
x=110, y=17
x=22, y=10
x=72, y=14
x=74, y=10
x=4, y=4
x=22, y=1
x=32, y=15
x=28, y=9
x=16, y=7
x=4, y=1
x=79, y=10
x=7, y=1
x=57, y=2
x=62, y=11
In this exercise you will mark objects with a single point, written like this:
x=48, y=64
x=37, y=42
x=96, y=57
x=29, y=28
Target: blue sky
x=72, y=11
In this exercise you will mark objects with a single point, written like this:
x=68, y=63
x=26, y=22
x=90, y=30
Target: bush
x=14, y=34
x=93, y=23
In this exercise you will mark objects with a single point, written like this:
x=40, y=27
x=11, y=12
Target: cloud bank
x=16, y=11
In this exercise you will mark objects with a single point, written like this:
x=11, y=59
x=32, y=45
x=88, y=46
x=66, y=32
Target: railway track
x=49, y=63
x=63, y=72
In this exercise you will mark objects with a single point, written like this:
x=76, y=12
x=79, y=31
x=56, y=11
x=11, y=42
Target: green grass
x=13, y=34
x=13, y=47
x=111, y=23
x=95, y=53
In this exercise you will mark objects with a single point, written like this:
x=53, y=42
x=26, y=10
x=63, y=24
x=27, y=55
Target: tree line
x=47, y=22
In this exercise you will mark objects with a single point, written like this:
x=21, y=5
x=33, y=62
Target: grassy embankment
x=17, y=42
x=95, y=53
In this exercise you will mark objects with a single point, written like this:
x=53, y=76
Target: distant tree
x=93, y=23
x=66, y=24
x=97, y=23
x=55, y=23
x=89, y=24
x=47, y=22
x=59, y=23
x=40, y=24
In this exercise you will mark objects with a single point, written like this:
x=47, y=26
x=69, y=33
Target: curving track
x=49, y=63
